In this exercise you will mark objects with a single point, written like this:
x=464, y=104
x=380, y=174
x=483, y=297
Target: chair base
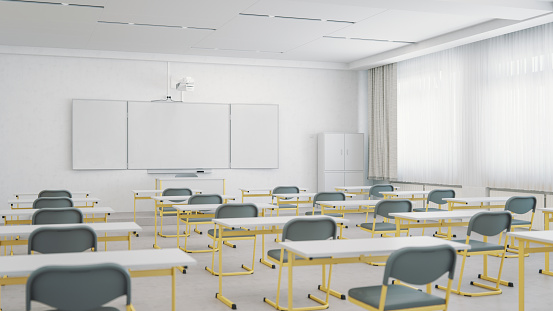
x=198, y=250
x=542, y=271
x=226, y=301
x=216, y=273
x=323, y=304
x=493, y=290
x=332, y=292
x=494, y=280
x=268, y=264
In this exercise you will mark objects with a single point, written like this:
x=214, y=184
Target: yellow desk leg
x=521, y=252
x=398, y=227
x=173, y=290
x=291, y=257
x=219, y=295
x=155, y=228
x=546, y=227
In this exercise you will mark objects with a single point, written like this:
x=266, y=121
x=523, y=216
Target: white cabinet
x=340, y=160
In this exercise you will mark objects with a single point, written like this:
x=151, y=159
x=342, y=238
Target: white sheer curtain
x=480, y=114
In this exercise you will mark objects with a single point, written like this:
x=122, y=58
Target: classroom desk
x=141, y=263
x=20, y=212
x=35, y=194
x=76, y=201
x=351, y=251
x=358, y=190
x=99, y=228
x=259, y=192
x=300, y=198
x=351, y=206
x=269, y=225
x=476, y=202
x=408, y=194
x=545, y=238
x=147, y=195
x=443, y=219
x=547, y=216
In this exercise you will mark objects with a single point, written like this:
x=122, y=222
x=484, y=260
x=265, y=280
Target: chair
x=436, y=196
x=327, y=196
x=168, y=210
x=53, y=239
x=235, y=210
x=486, y=224
x=375, y=191
x=430, y=262
x=284, y=206
x=520, y=205
x=383, y=208
x=55, y=193
x=189, y=221
x=306, y=229
x=79, y=288
x=54, y=202
x=49, y=216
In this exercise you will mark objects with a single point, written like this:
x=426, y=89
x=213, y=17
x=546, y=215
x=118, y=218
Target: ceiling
x=359, y=33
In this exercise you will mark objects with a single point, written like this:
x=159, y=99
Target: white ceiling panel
x=191, y=13
x=147, y=39
x=340, y=50
x=397, y=25
x=34, y=24
x=267, y=34
x=327, y=11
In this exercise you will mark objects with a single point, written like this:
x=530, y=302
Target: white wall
x=35, y=118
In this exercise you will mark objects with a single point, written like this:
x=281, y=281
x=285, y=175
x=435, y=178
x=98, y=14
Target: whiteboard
x=166, y=135
x=254, y=136
x=99, y=134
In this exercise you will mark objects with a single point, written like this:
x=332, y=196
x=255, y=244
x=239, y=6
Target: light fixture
x=186, y=85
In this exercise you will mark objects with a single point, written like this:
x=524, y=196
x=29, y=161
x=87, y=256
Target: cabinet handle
x=341, y=151
x=347, y=151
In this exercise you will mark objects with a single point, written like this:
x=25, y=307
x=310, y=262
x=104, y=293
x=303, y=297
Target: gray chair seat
x=285, y=205
x=397, y=297
x=430, y=209
x=275, y=253
x=379, y=226
x=168, y=209
x=479, y=246
x=199, y=219
x=99, y=309
x=519, y=222
x=326, y=214
x=211, y=231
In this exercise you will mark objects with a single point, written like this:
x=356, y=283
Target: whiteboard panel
x=99, y=134
x=166, y=135
x=254, y=136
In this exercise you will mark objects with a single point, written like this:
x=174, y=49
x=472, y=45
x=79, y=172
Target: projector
x=186, y=85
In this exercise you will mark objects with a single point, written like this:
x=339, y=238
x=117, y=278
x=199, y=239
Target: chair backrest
x=236, y=210
x=205, y=199
x=309, y=229
x=286, y=189
x=52, y=202
x=55, y=193
x=329, y=196
x=78, y=288
x=438, y=195
x=490, y=223
x=375, y=190
x=420, y=265
x=385, y=207
x=521, y=205
x=49, y=216
x=177, y=192
x=69, y=239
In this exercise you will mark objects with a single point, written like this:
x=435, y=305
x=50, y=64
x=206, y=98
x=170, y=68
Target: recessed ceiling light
x=369, y=39
x=57, y=3
x=156, y=25
x=297, y=18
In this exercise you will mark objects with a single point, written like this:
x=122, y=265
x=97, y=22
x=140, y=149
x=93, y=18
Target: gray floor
x=196, y=289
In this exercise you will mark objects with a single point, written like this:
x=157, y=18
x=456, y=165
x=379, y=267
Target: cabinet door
x=332, y=180
x=354, y=151
x=354, y=178
x=334, y=152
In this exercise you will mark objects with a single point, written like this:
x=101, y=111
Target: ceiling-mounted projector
x=186, y=85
